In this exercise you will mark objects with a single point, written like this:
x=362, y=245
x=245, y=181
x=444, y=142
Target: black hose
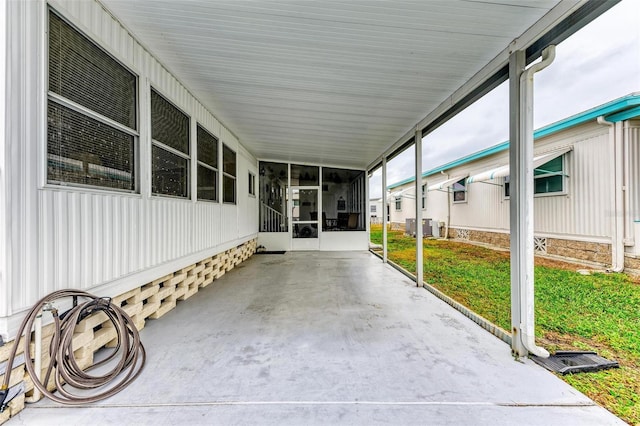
x=63, y=364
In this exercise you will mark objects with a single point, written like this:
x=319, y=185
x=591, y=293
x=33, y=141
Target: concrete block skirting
x=632, y=263
x=572, y=250
x=149, y=301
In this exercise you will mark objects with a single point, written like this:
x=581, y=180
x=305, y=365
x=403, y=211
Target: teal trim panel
x=624, y=115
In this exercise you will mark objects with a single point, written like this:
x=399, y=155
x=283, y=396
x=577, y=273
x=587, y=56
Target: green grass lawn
x=599, y=312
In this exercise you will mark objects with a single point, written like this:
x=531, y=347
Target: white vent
x=462, y=234
x=540, y=244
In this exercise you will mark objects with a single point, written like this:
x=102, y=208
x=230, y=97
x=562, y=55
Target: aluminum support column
x=418, y=192
x=521, y=205
x=384, y=209
x=517, y=219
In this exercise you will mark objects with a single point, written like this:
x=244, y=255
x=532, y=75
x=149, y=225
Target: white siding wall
x=247, y=205
x=408, y=208
x=98, y=240
x=586, y=210
x=436, y=202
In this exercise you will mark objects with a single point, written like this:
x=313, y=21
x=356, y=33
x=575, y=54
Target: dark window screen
x=228, y=189
x=170, y=173
x=229, y=158
x=207, y=183
x=83, y=73
x=86, y=151
x=207, y=148
x=169, y=125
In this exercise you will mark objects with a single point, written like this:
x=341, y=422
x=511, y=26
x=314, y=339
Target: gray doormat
x=565, y=362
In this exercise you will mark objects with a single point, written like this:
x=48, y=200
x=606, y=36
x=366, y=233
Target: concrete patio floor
x=327, y=338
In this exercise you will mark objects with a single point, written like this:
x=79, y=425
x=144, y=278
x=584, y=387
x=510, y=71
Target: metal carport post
x=384, y=209
x=418, y=192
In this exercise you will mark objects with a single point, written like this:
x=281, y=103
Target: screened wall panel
x=273, y=183
x=343, y=200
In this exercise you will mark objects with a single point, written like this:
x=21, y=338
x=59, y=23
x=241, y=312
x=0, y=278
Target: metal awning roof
x=342, y=82
x=502, y=171
x=446, y=184
x=407, y=193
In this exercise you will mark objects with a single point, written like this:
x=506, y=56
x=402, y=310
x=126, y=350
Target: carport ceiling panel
x=325, y=81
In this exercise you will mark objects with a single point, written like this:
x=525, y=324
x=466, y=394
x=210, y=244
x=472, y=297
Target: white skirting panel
x=344, y=241
x=275, y=241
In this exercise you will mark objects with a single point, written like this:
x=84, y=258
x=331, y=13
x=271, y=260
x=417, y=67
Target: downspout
x=617, y=222
x=626, y=211
x=527, y=296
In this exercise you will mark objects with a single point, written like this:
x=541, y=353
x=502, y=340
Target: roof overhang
x=343, y=83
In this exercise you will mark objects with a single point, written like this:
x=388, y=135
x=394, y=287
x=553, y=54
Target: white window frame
x=252, y=185
x=225, y=174
x=67, y=103
x=398, y=203
x=207, y=166
x=562, y=173
x=464, y=191
x=167, y=148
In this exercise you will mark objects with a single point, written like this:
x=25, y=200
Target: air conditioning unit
x=410, y=227
x=435, y=228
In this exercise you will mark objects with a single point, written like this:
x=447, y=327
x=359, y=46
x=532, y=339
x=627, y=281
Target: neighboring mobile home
x=587, y=189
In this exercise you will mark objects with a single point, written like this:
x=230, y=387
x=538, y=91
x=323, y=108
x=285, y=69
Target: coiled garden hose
x=63, y=364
